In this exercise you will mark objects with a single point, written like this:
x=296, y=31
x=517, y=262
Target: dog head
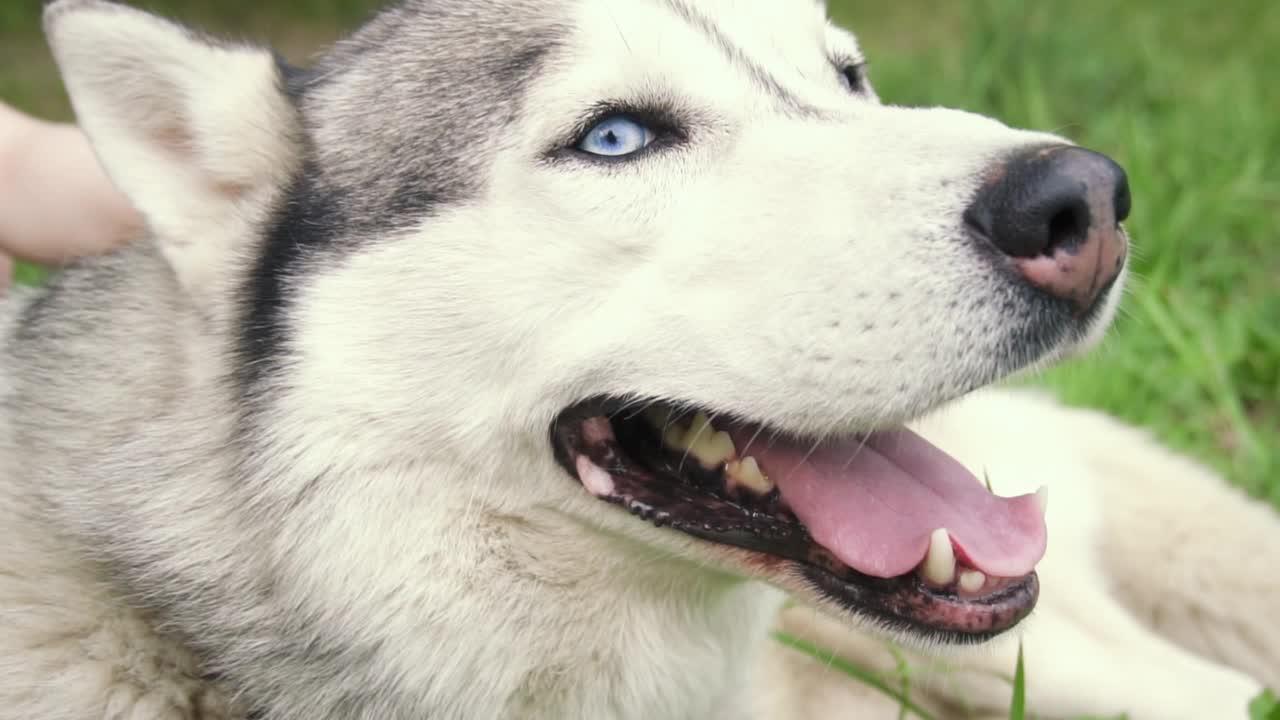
x=675, y=256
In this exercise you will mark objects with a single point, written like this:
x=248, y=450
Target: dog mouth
x=883, y=524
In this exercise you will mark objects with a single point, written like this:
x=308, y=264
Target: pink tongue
x=875, y=504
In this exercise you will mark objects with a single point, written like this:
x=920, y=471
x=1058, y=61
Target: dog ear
x=199, y=134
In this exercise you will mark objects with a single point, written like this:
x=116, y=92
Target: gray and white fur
x=287, y=458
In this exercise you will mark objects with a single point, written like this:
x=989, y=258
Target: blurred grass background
x=1181, y=92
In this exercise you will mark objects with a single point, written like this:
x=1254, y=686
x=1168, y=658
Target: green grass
x=1265, y=707
x=896, y=685
x=897, y=689
x=1180, y=91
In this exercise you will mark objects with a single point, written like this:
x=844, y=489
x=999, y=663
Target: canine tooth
x=594, y=478
x=971, y=581
x=713, y=450
x=746, y=473
x=940, y=563
x=1042, y=499
x=674, y=436
x=701, y=426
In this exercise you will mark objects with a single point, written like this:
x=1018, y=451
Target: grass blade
x=1018, y=706
x=1265, y=707
x=862, y=675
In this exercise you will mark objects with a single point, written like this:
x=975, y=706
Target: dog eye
x=617, y=136
x=854, y=77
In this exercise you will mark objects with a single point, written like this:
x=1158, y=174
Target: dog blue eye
x=617, y=136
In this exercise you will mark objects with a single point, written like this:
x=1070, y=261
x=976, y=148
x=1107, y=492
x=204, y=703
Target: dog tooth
x=971, y=581
x=1042, y=499
x=940, y=562
x=713, y=450
x=746, y=473
x=674, y=436
x=700, y=427
x=594, y=478
x=724, y=442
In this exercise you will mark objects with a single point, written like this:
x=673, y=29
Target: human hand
x=56, y=202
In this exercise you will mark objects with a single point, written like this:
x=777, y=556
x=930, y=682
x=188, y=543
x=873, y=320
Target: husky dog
x=517, y=358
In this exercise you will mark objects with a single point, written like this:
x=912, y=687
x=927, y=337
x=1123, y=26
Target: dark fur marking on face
x=293, y=79
x=304, y=221
x=382, y=157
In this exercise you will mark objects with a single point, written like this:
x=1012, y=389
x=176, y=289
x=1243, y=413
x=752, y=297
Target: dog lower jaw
x=907, y=604
x=755, y=529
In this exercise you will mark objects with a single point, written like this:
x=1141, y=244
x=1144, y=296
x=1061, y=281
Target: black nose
x=1056, y=211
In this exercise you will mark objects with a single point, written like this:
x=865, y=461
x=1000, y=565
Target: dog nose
x=1056, y=211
